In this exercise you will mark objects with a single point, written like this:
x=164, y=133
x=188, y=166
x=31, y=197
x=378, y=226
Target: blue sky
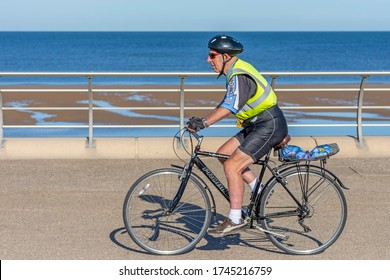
x=194, y=15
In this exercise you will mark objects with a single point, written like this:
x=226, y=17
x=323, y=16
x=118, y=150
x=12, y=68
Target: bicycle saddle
x=283, y=144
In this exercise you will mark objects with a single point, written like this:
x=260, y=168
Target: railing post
x=359, y=117
x=179, y=142
x=90, y=141
x=182, y=102
x=1, y=120
x=273, y=81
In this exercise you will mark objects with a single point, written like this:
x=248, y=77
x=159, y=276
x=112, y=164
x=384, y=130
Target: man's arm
x=217, y=114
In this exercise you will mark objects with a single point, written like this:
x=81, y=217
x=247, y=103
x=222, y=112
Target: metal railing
x=181, y=89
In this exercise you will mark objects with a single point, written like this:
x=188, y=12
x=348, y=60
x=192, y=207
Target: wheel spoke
x=152, y=226
x=317, y=224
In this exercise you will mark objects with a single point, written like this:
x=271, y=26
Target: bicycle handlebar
x=194, y=133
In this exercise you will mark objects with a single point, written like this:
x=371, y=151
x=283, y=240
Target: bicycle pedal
x=247, y=221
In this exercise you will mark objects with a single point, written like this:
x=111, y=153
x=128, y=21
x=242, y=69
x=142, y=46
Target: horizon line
x=194, y=31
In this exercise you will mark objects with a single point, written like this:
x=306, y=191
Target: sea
x=187, y=52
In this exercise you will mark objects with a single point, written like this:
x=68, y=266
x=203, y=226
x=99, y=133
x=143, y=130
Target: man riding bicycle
x=252, y=100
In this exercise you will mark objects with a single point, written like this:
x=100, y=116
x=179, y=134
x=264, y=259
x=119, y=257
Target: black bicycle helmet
x=225, y=44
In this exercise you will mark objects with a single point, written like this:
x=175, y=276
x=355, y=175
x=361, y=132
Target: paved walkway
x=71, y=209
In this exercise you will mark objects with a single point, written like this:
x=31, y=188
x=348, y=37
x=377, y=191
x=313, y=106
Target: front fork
x=184, y=177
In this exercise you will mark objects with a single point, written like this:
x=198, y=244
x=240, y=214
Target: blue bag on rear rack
x=294, y=153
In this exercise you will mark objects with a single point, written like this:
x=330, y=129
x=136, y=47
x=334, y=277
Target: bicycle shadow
x=116, y=237
x=248, y=238
x=251, y=238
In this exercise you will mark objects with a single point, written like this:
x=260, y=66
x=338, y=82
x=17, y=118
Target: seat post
x=264, y=166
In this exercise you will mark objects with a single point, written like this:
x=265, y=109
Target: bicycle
x=301, y=207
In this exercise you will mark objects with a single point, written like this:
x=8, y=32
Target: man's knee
x=233, y=165
x=224, y=150
x=228, y=166
x=238, y=162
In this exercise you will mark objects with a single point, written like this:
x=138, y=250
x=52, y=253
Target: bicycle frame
x=187, y=171
x=195, y=160
x=282, y=208
x=254, y=201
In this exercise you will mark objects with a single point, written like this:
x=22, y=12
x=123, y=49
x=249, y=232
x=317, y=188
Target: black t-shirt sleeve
x=246, y=89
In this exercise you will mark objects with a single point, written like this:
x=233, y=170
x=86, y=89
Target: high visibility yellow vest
x=263, y=99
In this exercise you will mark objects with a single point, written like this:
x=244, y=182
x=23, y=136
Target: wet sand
x=144, y=96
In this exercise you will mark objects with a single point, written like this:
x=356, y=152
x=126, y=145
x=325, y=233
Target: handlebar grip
x=196, y=135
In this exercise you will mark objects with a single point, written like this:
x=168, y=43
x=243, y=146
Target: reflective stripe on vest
x=264, y=97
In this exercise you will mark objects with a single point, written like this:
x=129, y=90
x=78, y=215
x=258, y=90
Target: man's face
x=215, y=60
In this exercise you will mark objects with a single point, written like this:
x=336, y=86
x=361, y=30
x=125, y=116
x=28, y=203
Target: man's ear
x=226, y=56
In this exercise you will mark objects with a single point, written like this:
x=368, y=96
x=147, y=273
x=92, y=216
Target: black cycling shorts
x=259, y=137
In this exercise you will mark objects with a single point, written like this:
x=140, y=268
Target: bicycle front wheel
x=308, y=215
x=152, y=226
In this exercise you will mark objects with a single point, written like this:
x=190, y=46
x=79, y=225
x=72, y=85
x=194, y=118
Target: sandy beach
x=145, y=96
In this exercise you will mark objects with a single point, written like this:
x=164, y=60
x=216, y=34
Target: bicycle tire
x=156, y=231
x=322, y=219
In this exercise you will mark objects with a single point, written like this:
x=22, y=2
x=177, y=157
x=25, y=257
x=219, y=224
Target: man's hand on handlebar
x=195, y=124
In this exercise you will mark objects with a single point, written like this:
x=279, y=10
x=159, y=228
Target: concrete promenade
x=162, y=147
x=61, y=203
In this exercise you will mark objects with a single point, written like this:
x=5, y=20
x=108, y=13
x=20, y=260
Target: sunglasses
x=213, y=55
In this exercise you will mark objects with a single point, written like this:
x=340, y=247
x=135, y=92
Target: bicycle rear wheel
x=149, y=223
x=311, y=227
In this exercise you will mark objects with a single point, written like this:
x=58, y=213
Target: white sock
x=253, y=184
x=235, y=216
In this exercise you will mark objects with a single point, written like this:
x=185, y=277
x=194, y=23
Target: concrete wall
x=162, y=148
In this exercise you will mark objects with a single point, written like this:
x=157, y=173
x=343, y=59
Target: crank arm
x=271, y=232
